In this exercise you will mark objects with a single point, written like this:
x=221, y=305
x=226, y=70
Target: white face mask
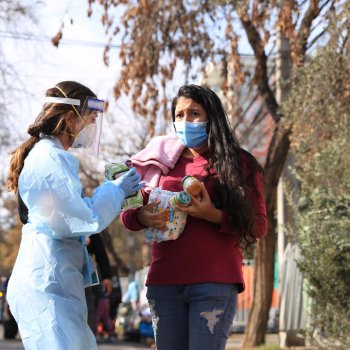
x=86, y=137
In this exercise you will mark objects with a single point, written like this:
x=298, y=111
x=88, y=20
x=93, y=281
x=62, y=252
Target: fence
x=244, y=300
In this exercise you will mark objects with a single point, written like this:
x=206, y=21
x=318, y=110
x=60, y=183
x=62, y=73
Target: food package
x=191, y=185
x=115, y=170
x=176, y=220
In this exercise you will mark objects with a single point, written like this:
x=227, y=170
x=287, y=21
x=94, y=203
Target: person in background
x=8, y=322
x=193, y=281
x=132, y=295
x=96, y=248
x=103, y=314
x=115, y=297
x=46, y=288
x=3, y=287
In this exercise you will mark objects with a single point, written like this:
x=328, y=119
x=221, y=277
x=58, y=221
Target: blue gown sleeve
x=51, y=189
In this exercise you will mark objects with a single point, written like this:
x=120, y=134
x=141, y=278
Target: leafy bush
x=319, y=108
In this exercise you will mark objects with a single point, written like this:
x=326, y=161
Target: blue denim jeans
x=192, y=317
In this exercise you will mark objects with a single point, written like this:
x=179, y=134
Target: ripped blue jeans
x=192, y=317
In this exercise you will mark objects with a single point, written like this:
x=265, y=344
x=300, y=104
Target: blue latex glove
x=129, y=182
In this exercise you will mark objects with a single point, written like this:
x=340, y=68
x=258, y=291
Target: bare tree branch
x=261, y=75
x=316, y=39
x=305, y=28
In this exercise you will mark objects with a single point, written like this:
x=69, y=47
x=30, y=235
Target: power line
x=45, y=38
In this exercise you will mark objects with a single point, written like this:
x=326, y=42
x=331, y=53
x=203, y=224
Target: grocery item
x=181, y=199
x=176, y=220
x=191, y=185
x=113, y=171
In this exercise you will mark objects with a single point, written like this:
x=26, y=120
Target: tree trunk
x=117, y=262
x=265, y=251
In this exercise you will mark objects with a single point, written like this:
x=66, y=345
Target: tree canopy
x=161, y=39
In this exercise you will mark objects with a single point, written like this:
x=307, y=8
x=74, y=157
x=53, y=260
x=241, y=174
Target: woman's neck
x=64, y=140
x=191, y=153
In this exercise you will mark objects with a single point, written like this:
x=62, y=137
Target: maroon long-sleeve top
x=205, y=252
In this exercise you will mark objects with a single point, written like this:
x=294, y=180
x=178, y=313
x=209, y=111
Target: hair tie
x=35, y=134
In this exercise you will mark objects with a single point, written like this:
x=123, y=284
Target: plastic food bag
x=112, y=172
x=176, y=220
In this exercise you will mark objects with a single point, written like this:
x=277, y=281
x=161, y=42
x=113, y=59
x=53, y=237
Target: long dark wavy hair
x=48, y=122
x=225, y=157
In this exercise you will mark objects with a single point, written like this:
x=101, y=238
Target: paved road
x=234, y=342
x=16, y=344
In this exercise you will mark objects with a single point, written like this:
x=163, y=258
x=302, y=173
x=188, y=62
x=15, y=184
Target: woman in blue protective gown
x=46, y=289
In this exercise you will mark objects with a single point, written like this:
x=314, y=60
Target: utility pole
x=290, y=308
x=283, y=74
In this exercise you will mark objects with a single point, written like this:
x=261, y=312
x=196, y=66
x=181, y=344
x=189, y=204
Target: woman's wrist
x=215, y=216
x=138, y=217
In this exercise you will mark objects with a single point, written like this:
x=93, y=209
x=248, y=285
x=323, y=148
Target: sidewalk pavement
x=16, y=344
x=234, y=342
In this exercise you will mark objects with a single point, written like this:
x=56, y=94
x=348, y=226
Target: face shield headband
x=91, y=115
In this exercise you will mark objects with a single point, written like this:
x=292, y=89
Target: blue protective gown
x=46, y=288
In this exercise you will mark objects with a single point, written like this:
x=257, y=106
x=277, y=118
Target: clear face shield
x=91, y=117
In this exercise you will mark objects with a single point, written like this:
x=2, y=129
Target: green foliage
x=130, y=248
x=268, y=347
x=319, y=110
x=9, y=248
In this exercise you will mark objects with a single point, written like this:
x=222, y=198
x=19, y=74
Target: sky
x=40, y=65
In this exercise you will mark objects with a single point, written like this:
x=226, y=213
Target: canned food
x=192, y=185
x=181, y=199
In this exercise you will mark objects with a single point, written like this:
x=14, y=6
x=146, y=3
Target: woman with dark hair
x=193, y=281
x=46, y=288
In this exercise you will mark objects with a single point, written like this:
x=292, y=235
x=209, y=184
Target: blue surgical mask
x=192, y=135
